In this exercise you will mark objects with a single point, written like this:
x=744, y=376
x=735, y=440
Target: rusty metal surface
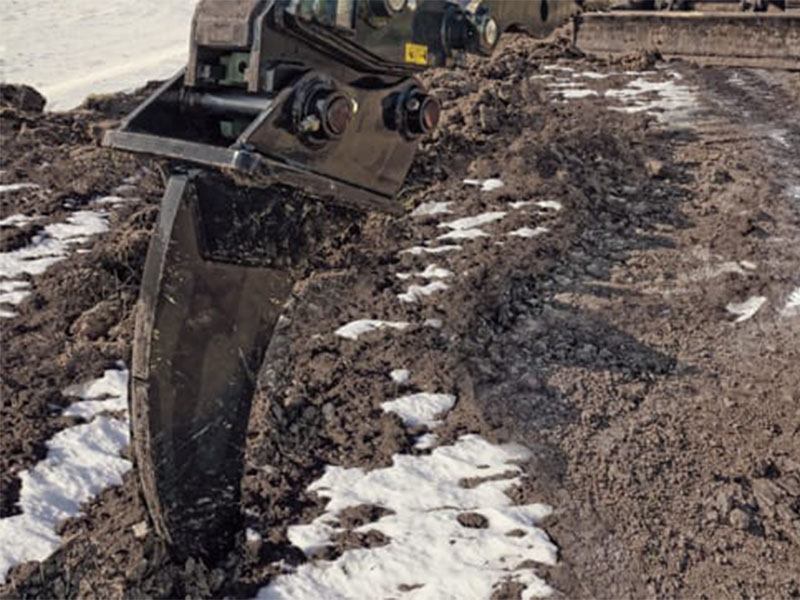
x=752, y=40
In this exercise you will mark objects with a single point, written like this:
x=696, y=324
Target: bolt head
x=491, y=33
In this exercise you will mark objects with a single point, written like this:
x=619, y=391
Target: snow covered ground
x=673, y=102
x=71, y=49
x=81, y=462
x=443, y=539
x=56, y=242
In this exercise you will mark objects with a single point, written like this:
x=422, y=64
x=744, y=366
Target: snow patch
x=558, y=68
x=673, y=103
x=564, y=84
x=746, y=310
x=426, y=441
x=17, y=187
x=430, y=272
x=107, y=394
x=779, y=135
x=16, y=220
x=47, y=248
x=486, y=185
x=473, y=222
x=400, y=376
x=550, y=205
x=527, y=232
x=419, y=250
x=792, y=307
x=428, y=548
x=251, y=536
x=463, y=234
x=52, y=245
x=81, y=462
x=79, y=227
x=415, y=293
x=416, y=410
x=521, y=204
x=355, y=329
x=436, y=272
x=429, y=209
x=14, y=292
x=576, y=94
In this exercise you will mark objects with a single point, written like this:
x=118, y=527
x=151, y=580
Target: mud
x=76, y=322
x=664, y=435
x=667, y=433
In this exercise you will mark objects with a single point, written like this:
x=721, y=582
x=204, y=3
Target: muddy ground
x=666, y=436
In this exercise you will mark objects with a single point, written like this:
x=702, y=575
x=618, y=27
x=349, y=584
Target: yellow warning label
x=416, y=54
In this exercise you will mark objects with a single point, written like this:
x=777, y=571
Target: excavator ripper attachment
x=319, y=97
x=202, y=328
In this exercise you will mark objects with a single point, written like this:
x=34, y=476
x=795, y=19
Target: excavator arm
x=319, y=96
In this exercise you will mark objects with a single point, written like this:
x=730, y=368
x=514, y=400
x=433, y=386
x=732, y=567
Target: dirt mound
x=21, y=97
x=310, y=411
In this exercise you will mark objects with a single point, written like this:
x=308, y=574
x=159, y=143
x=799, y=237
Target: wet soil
x=665, y=435
x=77, y=321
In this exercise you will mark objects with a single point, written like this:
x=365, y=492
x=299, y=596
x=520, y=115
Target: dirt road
x=615, y=287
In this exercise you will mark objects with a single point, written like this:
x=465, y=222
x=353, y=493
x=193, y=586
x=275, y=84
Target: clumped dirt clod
x=664, y=436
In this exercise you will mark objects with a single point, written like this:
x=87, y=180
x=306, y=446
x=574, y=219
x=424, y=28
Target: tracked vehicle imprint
x=763, y=40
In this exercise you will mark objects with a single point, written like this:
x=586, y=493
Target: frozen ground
x=81, y=462
x=69, y=50
x=446, y=540
x=584, y=320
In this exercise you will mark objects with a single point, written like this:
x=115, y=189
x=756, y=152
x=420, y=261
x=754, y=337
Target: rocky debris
x=472, y=520
x=96, y=322
x=21, y=97
x=655, y=168
x=140, y=530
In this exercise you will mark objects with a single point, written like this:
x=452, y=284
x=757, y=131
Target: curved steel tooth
x=202, y=329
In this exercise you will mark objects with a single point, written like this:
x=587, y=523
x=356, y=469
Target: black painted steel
x=201, y=332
